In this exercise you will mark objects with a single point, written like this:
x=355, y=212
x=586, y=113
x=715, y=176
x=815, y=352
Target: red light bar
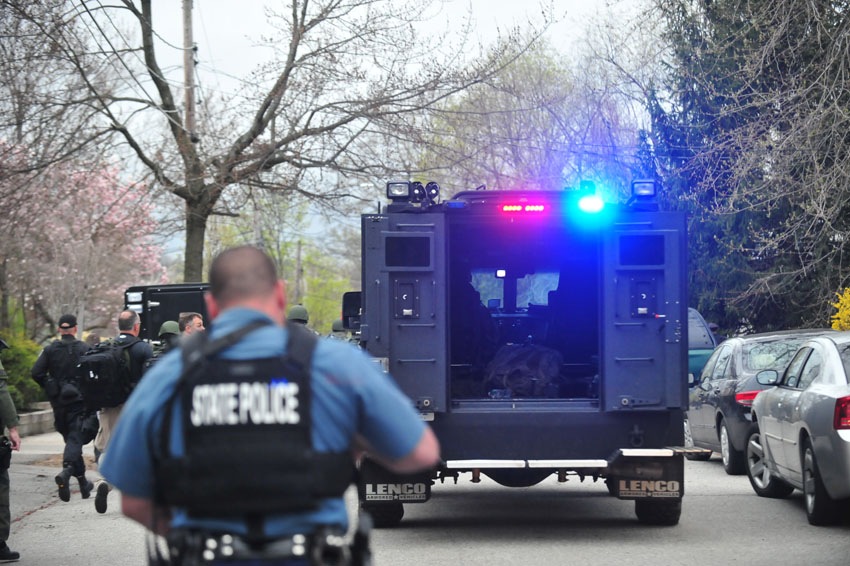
x=746, y=398
x=523, y=207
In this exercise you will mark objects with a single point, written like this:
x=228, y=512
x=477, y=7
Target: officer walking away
x=139, y=353
x=190, y=322
x=9, y=421
x=298, y=314
x=240, y=447
x=54, y=371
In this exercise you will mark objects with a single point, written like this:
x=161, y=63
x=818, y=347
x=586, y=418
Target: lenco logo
x=648, y=488
x=396, y=491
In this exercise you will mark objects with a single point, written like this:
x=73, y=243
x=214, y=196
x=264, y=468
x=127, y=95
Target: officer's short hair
x=127, y=320
x=241, y=273
x=186, y=319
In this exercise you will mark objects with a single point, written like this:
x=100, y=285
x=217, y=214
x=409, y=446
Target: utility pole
x=298, y=274
x=189, y=69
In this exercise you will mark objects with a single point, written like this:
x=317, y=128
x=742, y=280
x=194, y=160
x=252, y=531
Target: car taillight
x=746, y=397
x=842, y=413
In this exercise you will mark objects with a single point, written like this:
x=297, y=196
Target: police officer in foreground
x=239, y=445
x=54, y=371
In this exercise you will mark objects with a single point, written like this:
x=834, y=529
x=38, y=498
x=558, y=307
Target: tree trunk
x=4, y=297
x=196, y=228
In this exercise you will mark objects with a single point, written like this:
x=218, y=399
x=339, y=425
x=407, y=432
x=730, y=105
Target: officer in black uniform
x=54, y=371
x=270, y=419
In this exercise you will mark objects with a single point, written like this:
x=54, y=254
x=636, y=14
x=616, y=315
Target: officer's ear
x=212, y=306
x=280, y=294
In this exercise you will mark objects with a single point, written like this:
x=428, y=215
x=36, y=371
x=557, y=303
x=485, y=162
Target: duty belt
x=195, y=548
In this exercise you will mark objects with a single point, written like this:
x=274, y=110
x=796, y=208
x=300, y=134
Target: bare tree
x=345, y=70
x=543, y=123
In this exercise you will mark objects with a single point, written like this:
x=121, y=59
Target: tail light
x=746, y=398
x=842, y=413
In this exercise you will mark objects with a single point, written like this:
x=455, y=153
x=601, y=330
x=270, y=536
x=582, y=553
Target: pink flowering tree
x=74, y=238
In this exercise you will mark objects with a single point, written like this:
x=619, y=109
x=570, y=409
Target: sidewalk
x=48, y=531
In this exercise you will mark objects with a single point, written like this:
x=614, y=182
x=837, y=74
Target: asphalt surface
x=723, y=522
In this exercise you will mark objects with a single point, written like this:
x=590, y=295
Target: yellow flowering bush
x=841, y=319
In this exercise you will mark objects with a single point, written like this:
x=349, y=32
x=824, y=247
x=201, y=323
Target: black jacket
x=59, y=360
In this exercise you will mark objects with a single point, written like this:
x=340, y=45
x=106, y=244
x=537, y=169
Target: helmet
x=337, y=326
x=169, y=327
x=298, y=314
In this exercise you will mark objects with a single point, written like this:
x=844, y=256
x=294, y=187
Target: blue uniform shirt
x=350, y=395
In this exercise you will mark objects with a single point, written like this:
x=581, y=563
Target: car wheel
x=653, y=512
x=764, y=484
x=734, y=461
x=689, y=443
x=385, y=515
x=821, y=509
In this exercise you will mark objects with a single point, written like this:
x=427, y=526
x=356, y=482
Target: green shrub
x=18, y=361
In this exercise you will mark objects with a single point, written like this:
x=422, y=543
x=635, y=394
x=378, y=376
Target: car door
x=790, y=427
x=706, y=398
x=777, y=410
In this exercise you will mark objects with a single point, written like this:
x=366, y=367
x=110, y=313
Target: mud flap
x=647, y=477
x=377, y=486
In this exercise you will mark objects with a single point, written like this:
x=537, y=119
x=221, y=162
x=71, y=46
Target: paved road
x=475, y=524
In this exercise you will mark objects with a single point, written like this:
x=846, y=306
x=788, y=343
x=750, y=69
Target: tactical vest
x=247, y=434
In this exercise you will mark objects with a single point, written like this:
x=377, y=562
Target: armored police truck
x=538, y=332
x=156, y=304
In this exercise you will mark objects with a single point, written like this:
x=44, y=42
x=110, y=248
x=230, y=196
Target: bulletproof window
x=642, y=249
x=408, y=251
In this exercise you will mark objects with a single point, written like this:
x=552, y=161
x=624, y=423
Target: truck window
x=533, y=289
x=489, y=286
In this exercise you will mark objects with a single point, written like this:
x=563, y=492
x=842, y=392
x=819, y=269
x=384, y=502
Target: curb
x=37, y=422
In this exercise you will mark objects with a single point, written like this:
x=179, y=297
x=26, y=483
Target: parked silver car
x=803, y=435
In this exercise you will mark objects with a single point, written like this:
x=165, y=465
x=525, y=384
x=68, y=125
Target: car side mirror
x=768, y=377
x=692, y=380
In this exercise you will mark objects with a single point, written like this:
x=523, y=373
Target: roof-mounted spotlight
x=432, y=191
x=644, y=188
x=644, y=194
x=398, y=191
x=417, y=192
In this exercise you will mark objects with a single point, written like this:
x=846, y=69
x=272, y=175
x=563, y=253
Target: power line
x=123, y=63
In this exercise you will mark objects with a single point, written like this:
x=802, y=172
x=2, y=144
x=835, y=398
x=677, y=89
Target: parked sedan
x=718, y=416
x=803, y=435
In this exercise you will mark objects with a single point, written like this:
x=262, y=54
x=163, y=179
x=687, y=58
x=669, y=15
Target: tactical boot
x=63, y=478
x=100, y=497
x=7, y=554
x=85, y=486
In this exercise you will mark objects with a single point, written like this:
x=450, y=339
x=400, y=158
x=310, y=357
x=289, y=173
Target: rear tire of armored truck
x=653, y=512
x=386, y=515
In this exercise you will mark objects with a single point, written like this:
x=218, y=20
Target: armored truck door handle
x=152, y=304
x=421, y=361
x=634, y=359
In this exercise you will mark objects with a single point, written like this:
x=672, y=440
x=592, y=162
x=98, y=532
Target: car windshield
x=769, y=355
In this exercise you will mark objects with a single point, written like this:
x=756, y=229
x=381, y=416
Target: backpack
x=104, y=374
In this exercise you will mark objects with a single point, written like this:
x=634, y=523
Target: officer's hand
x=15, y=438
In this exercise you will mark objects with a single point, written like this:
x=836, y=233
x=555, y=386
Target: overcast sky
x=226, y=31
